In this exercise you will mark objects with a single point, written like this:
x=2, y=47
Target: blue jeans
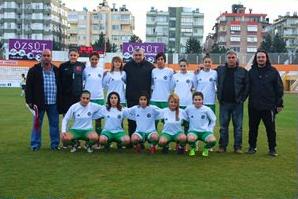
x=53, y=117
x=226, y=111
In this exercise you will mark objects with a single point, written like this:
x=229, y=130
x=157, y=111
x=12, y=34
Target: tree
x=135, y=39
x=57, y=45
x=267, y=43
x=100, y=43
x=114, y=48
x=278, y=44
x=193, y=46
x=218, y=49
x=108, y=46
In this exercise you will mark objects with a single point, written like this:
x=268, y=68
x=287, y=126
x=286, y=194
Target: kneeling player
x=145, y=116
x=113, y=114
x=172, y=131
x=201, y=124
x=82, y=113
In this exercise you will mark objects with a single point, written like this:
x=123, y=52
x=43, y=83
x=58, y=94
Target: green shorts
x=201, y=135
x=159, y=104
x=212, y=106
x=182, y=107
x=145, y=135
x=123, y=104
x=171, y=138
x=98, y=101
x=113, y=137
x=80, y=134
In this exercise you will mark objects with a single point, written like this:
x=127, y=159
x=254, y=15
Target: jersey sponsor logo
x=165, y=77
x=203, y=117
x=108, y=116
x=119, y=116
x=148, y=115
x=177, y=80
x=78, y=115
x=188, y=81
x=99, y=75
x=89, y=113
x=166, y=119
x=89, y=75
x=211, y=79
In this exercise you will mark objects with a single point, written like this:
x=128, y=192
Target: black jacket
x=34, y=90
x=241, y=83
x=71, y=81
x=266, y=88
x=138, y=78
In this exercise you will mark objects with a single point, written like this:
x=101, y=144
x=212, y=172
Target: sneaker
x=272, y=153
x=180, y=150
x=165, y=149
x=73, y=149
x=205, y=152
x=211, y=149
x=221, y=150
x=251, y=150
x=192, y=152
x=97, y=146
x=89, y=149
x=34, y=148
x=57, y=148
x=238, y=151
x=152, y=149
x=138, y=148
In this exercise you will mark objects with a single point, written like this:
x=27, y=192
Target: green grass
x=47, y=174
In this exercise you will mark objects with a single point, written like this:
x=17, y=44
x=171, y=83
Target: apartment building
x=39, y=19
x=174, y=27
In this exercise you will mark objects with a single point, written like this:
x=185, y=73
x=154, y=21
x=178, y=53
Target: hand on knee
x=125, y=140
x=191, y=138
x=182, y=138
x=135, y=138
x=103, y=140
x=162, y=141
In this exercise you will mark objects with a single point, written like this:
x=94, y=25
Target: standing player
x=115, y=79
x=201, y=124
x=161, y=82
x=23, y=84
x=172, y=131
x=205, y=82
x=93, y=78
x=145, y=116
x=82, y=113
x=113, y=114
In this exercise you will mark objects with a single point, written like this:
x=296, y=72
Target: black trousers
x=131, y=123
x=268, y=118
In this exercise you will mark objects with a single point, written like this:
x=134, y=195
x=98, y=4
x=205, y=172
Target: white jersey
x=144, y=117
x=82, y=116
x=161, y=84
x=93, y=82
x=206, y=83
x=171, y=125
x=113, y=119
x=182, y=83
x=200, y=119
x=115, y=81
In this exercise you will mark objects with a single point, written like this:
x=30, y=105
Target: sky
x=211, y=9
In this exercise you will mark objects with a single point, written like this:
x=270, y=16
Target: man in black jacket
x=232, y=91
x=265, y=100
x=41, y=95
x=138, y=79
x=71, y=80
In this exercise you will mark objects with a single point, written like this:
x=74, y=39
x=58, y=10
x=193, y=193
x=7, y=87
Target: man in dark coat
x=265, y=100
x=41, y=93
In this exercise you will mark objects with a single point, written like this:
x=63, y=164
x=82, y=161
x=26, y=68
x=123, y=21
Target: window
x=235, y=28
x=251, y=49
x=116, y=27
x=252, y=28
x=252, y=39
x=237, y=39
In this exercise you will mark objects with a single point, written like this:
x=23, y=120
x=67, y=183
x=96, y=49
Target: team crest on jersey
x=165, y=77
x=177, y=80
x=199, y=79
x=203, y=117
x=166, y=119
x=188, y=81
x=89, y=113
x=138, y=115
x=78, y=68
x=191, y=116
x=148, y=115
x=119, y=116
x=89, y=75
x=78, y=115
x=99, y=75
x=108, y=116
x=211, y=79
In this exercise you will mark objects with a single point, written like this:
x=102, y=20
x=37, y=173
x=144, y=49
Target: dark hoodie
x=265, y=88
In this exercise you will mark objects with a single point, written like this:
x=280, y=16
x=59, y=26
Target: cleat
x=73, y=149
x=251, y=151
x=181, y=150
x=192, y=152
x=221, y=150
x=89, y=149
x=272, y=153
x=165, y=149
x=205, y=152
x=35, y=149
x=238, y=151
